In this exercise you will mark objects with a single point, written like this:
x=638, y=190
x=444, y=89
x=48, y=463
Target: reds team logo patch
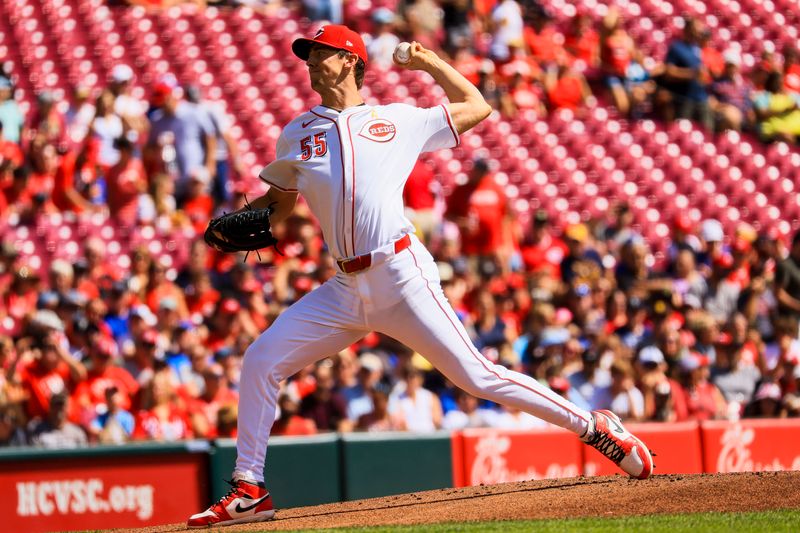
x=378, y=130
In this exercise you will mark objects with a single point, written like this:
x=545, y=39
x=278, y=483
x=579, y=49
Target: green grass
x=758, y=522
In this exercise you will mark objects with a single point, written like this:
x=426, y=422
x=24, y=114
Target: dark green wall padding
x=395, y=463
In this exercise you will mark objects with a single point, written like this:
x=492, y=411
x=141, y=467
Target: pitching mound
x=562, y=498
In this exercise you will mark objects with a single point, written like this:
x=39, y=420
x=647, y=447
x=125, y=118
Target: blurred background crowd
x=100, y=351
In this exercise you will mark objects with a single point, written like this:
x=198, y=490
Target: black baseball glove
x=243, y=231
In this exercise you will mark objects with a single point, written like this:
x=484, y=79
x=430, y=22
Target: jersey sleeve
x=437, y=129
x=440, y=131
x=281, y=173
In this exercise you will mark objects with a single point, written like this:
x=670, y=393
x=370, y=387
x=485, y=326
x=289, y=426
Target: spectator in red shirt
x=582, y=42
x=524, y=95
x=198, y=203
x=20, y=299
x=160, y=288
x=75, y=172
x=697, y=398
x=201, y=296
x=566, y=88
x=98, y=270
x=479, y=209
x=542, y=252
x=16, y=195
x=90, y=395
x=543, y=38
x=126, y=181
x=467, y=63
x=216, y=394
x=712, y=58
x=162, y=416
x=326, y=407
x=43, y=159
x=258, y=310
x=289, y=422
x=741, y=252
x=52, y=371
x=791, y=70
x=617, y=51
x=419, y=197
x=47, y=121
x=228, y=322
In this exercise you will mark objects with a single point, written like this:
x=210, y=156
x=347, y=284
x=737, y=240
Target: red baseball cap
x=683, y=223
x=335, y=36
x=230, y=306
x=741, y=245
x=150, y=337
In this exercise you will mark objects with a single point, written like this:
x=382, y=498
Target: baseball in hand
x=402, y=53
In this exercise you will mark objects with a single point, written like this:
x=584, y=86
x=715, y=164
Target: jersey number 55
x=315, y=146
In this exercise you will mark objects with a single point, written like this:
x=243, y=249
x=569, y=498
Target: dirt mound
x=561, y=498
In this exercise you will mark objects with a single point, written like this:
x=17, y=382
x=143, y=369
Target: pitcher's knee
x=257, y=360
x=481, y=383
x=472, y=385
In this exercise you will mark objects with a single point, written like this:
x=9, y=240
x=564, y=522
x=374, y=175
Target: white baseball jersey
x=351, y=167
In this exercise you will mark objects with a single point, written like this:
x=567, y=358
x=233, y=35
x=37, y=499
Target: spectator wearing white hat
x=382, y=42
x=697, y=398
x=766, y=402
x=655, y=386
x=369, y=375
x=106, y=127
x=128, y=107
x=79, y=115
x=712, y=235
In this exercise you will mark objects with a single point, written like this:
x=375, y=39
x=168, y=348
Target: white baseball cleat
x=609, y=437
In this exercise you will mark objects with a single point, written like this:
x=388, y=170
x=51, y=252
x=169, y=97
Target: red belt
x=362, y=262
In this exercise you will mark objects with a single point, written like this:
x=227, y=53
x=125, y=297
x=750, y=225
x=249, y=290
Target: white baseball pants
x=400, y=296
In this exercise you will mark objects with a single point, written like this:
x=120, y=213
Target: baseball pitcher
x=350, y=162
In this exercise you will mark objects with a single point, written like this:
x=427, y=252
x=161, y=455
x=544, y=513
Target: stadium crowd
x=92, y=352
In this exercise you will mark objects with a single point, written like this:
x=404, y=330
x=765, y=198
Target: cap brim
x=302, y=47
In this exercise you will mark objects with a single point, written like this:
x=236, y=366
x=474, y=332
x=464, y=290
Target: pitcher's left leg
x=427, y=323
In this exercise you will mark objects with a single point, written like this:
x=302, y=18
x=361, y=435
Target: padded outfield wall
x=149, y=483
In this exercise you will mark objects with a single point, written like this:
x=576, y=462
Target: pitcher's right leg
x=321, y=324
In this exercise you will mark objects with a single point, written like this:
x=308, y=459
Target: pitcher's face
x=327, y=68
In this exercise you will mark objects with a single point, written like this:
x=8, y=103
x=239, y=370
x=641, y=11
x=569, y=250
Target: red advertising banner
x=492, y=456
x=751, y=445
x=677, y=447
x=62, y=494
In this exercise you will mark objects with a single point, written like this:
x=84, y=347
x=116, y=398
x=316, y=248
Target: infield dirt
x=559, y=498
